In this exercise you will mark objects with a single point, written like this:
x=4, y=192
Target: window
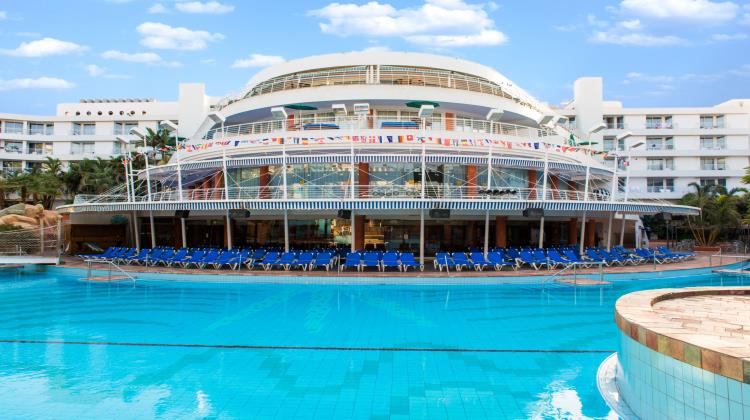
x=655, y=122
x=720, y=182
x=713, y=143
x=82, y=148
x=116, y=148
x=608, y=143
x=712, y=121
x=656, y=185
x=86, y=129
x=40, y=129
x=659, y=164
x=660, y=143
x=33, y=166
x=713, y=164
x=14, y=147
x=14, y=127
x=124, y=127
x=12, y=166
x=40, y=148
x=572, y=125
x=615, y=122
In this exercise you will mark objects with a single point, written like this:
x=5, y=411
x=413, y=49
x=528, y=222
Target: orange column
x=370, y=119
x=531, y=183
x=501, y=231
x=290, y=123
x=218, y=182
x=471, y=180
x=263, y=182
x=554, y=187
x=363, y=180
x=572, y=231
x=450, y=121
x=590, y=232
x=359, y=232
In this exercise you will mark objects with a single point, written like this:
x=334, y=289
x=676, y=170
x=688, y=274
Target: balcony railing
x=359, y=192
x=381, y=123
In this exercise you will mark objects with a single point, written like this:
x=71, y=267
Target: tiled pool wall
x=656, y=386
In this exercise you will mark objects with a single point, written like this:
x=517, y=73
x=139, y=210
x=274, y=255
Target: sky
x=649, y=52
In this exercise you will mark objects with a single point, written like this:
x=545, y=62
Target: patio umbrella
x=418, y=104
x=301, y=107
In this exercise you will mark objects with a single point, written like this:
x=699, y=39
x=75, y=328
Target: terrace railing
x=381, y=123
x=359, y=192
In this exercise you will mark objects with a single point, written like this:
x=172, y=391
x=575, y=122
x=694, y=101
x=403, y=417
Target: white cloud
x=635, y=39
x=94, y=71
x=258, y=60
x=208, y=61
x=39, y=83
x=633, y=25
x=209, y=7
x=157, y=8
x=3, y=15
x=437, y=23
x=729, y=37
x=143, y=58
x=147, y=57
x=704, y=11
x=45, y=47
x=161, y=36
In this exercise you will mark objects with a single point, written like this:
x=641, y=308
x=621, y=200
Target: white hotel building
x=669, y=148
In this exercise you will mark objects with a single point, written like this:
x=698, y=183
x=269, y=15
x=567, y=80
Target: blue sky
x=650, y=53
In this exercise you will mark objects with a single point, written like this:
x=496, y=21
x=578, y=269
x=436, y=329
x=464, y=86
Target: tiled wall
x=656, y=386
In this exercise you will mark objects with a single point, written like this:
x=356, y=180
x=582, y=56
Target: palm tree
x=720, y=211
x=159, y=141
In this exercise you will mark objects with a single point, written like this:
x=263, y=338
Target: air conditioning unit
x=361, y=109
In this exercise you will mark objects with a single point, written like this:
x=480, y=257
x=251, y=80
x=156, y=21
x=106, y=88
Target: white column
x=136, y=231
x=127, y=176
x=153, y=229
x=622, y=230
x=286, y=230
x=130, y=179
x=179, y=177
x=351, y=175
x=228, y=222
x=486, y=233
x=352, y=229
x=541, y=233
x=609, y=231
x=615, y=187
x=424, y=166
x=183, y=230
x=226, y=174
x=421, y=236
x=583, y=233
x=148, y=178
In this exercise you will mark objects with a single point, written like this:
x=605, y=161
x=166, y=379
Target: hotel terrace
x=376, y=150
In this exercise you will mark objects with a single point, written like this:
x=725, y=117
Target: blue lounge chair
x=460, y=260
x=268, y=260
x=140, y=256
x=285, y=261
x=108, y=253
x=211, y=257
x=527, y=257
x=239, y=259
x=323, y=259
x=353, y=259
x=651, y=256
x=443, y=260
x=407, y=261
x=594, y=256
x=498, y=260
x=479, y=261
x=555, y=259
x=256, y=255
x=304, y=260
x=176, y=258
x=194, y=256
x=391, y=260
x=160, y=257
x=676, y=255
x=225, y=258
x=371, y=259
x=574, y=258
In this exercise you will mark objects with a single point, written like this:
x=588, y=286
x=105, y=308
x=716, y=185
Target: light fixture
x=597, y=128
x=278, y=113
x=639, y=144
x=495, y=115
x=425, y=111
x=625, y=135
x=339, y=109
x=136, y=131
x=216, y=117
x=545, y=119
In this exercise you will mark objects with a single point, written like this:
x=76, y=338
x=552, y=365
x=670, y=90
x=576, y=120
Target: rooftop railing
x=351, y=123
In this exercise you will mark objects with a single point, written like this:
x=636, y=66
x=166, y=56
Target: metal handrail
x=344, y=123
x=574, y=265
x=110, y=264
x=360, y=192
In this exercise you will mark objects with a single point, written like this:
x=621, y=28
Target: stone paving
x=707, y=327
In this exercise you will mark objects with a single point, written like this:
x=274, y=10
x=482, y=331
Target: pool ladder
x=574, y=266
x=111, y=264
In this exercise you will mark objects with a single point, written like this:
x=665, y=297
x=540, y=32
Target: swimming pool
x=73, y=349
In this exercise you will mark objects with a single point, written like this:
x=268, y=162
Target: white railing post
x=583, y=232
x=615, y=187
x=179, y=176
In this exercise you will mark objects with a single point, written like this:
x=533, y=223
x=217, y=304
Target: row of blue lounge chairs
x=382, y=261
x=553, y=258
x=216, y=258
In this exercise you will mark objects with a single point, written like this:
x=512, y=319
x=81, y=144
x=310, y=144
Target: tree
x=720, y=212
x=160, y=141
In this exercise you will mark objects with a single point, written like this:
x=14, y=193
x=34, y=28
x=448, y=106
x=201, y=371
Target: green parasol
x=301, y=107
x=418, y=104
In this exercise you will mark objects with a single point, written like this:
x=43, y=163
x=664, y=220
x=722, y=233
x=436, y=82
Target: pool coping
x=636, y=317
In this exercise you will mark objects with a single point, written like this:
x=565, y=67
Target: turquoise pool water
x=73, y=349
